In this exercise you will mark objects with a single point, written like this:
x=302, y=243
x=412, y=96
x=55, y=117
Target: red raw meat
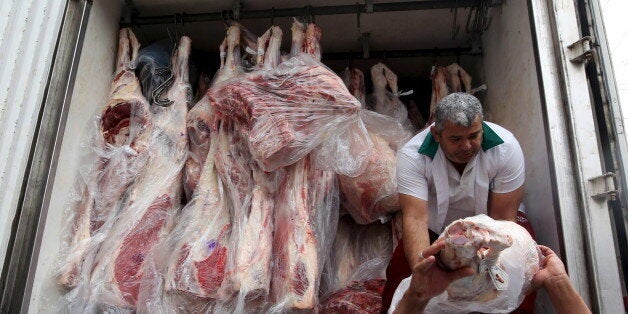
x=358, y=297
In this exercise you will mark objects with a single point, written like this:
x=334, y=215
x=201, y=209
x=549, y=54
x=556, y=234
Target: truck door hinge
x=603, y=187
x=582, y=50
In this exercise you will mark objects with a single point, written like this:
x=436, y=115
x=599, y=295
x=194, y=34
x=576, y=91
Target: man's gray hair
x=459, y=108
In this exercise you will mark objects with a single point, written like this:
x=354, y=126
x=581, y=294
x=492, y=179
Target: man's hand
x=552, y=268
x=429, y=280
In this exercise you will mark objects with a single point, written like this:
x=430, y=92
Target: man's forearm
x=564, y=296
x=415, y=238
x=410, y=304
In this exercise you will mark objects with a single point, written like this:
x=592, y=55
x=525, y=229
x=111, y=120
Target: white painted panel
x=91, y=88
x=28, y=34
x=513, y=101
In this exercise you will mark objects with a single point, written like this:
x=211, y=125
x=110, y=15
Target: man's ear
x=435, y=133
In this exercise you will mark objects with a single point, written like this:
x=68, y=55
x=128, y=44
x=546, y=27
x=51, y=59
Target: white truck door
x=580, y=185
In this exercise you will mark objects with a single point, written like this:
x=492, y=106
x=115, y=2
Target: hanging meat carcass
x=305, y=209
x=122, y=146
x=354, y=80
x=201, y=119
x=152, y=200
x=446, y=80
x=205, y=251
x=252, y=272
x=388, y=103
x=288, y=111
x=372, y=195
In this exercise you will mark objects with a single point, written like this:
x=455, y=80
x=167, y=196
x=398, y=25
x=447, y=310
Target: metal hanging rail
x=393, y=54
x=368, y=7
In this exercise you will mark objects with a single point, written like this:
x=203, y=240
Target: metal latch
x=581, y=50
x=603, y=187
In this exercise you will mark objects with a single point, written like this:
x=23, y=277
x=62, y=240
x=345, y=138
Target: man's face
x=460, y=144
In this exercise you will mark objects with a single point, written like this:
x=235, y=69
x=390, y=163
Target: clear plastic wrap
x=153, y=69
x=505, y=257
x=306, y=214
x=202, y=120
x=372, y=195
x=190, y=264
x=118, y=250
x=121, y=149
x=355, y=271
x=387, y=102
x=290, y=110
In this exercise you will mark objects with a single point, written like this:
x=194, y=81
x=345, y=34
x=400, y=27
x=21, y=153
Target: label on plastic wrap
x=251, y=51
x=499, y=277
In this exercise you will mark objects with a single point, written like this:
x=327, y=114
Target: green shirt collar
x=490, y=139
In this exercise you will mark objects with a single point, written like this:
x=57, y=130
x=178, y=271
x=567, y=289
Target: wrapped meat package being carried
x=505, y=257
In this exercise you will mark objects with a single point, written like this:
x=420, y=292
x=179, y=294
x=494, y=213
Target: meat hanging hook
x=226, y=17
x=272, y=16
x=350, y=58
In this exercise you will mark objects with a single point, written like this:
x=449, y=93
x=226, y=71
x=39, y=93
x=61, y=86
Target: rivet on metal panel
x=603, y=186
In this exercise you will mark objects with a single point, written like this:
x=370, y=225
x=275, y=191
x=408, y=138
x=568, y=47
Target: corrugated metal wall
x=28, y=34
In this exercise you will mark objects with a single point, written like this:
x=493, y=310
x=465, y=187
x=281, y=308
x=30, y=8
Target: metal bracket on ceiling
x=369, y=6
x=237, y=6
x=364, y=39
x=603, y=187
x=582, y=50
x=131, y=13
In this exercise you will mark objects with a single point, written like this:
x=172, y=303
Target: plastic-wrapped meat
x=295, y=243
x=359, y=253
x=197, y=251
x=372, y=195
x=254, y=225
x=201, y=120
x=363, y=297
x=505, y=257
x=122, y=146
x=288, y=111
x=151, y=202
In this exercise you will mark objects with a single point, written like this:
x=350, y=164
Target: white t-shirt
x=423, y=169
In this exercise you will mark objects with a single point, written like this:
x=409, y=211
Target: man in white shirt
x=458, y=167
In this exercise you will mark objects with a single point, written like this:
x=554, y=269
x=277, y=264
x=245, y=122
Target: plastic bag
x=290, y=110
x=153, y=69
x=504, y=270
x=354, y=275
